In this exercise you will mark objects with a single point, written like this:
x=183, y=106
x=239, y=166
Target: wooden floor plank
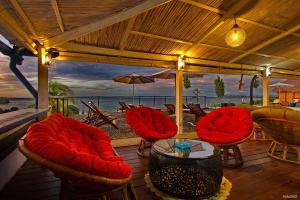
x=261, y=177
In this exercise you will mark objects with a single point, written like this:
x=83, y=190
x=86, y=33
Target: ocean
x=111, y=103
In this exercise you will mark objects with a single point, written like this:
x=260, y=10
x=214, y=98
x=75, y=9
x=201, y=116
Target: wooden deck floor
x=259, y=178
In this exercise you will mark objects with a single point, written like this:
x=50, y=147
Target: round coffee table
x=194, y=172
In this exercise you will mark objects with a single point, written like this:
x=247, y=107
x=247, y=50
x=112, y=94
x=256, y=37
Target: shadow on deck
x=259, y=178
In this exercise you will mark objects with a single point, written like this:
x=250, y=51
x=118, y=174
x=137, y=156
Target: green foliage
x=30, y=106
x=1, y=111
x=14, y=108
x=256, y=83
x=186, y=82
x=60, y=90
x=6, y=111
x=73, y=110
x=219, y=87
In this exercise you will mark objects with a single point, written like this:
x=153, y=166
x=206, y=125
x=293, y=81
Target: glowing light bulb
x=236, y=36
x=181, y=62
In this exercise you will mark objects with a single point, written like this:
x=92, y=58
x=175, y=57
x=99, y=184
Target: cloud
x=90, y=79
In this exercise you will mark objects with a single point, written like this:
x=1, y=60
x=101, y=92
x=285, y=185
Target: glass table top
x=185, y=148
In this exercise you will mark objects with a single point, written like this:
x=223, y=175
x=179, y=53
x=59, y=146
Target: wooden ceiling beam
x=222, y=12
x=127, y=32
x=103, y=23
x=81, y=57
x=160, y=37
x=13, y=27
x=204, y=6
x=19, y=10
x=203, y=69
x=73, y=47
x=229, y=14
x=266, y=43
x=58, y=15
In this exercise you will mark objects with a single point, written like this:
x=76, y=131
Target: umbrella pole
x=133, y=93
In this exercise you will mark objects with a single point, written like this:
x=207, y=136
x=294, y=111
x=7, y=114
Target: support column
x=266, y=90
x=178, y=85
x=42, y=80
x=178, y=111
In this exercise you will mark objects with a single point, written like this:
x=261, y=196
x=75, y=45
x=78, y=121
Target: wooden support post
x=266, y=91
x=42, y=80
x=178, y=111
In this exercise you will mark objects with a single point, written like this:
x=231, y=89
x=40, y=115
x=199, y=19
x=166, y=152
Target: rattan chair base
x=259, y=135
x=281, y=152
x=71, y=192
x=145, y=144
x=231, y=151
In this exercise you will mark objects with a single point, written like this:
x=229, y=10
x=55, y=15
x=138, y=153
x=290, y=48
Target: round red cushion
x=150, y=123
x=76, y=145
x=225, y=125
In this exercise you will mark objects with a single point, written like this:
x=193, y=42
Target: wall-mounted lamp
x=268, y=70
x=181, y=62
x=47, y=57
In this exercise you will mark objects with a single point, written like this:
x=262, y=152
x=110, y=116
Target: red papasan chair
x=226, y=127
x=150, y=125
x=81, y=155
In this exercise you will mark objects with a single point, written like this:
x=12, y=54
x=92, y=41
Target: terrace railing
x=111, y=103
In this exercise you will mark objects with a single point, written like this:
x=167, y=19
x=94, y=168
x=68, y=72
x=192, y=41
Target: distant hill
x=4, y=100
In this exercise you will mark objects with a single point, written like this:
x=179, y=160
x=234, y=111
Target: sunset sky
x=87, y=79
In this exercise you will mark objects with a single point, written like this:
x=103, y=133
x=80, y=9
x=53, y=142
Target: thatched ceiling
x=171, y=28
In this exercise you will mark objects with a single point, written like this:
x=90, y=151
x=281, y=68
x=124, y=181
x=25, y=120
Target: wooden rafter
x=97, y=51
x=23, y=16
x=127, y=32
x=208, y=45
x=114, y=52
x=234, y=9
x=103, y=23
x=203, y=69
x=14, y=28
x=161, y=37
x=219, y=11
x=57, y=14
x=266, y=43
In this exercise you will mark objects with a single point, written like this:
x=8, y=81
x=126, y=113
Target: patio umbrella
x=133, y=79
x=279, y=86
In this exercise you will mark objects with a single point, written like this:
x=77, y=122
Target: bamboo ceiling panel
x=288, y=47
x=254, y=35
x=176, y=20
x=76, y=13
x=10, y=10
x=42, y=17
x=259, y=60
x=213, y=54
x=146, y=44
x=109, y=37
x=288, y=64
x=276, y=13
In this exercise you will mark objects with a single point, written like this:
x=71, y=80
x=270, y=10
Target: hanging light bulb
x=236, y=36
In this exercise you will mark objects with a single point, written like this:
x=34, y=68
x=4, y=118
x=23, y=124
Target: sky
x=95, y=79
